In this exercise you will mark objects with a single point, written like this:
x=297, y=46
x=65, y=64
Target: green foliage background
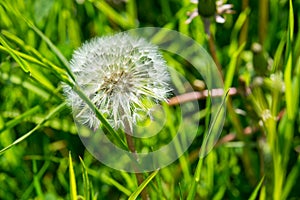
x=257, y=156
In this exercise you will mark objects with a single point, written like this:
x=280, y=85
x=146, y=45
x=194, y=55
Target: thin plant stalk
x=235, y=119
x=211, y=43
x=263, y=20
x=205, y=143
x=131, y=147
x=244, y=30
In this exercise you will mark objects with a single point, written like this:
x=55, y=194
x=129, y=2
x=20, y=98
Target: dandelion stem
x=211, y=43
x=139, y=176
x=131, y=147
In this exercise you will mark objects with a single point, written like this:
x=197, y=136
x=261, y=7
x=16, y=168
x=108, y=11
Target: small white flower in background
x=218, y=10
x=122, y=75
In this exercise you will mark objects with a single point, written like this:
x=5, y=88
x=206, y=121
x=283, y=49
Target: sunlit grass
x=256, y=157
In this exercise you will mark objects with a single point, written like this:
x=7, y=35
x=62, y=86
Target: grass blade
x=36, y=181
x=24, y=65
x=289, y=66
x=39, y=125
x=291, y=180
x=114, y=15
x=192, y=191
x=86, y=182
x=136, y=193
x=256, y=190
x=19, y=119
x=232, y=66
x=73, y=190
x=42, y=35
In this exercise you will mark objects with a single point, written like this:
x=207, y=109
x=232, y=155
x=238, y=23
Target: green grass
x=257, y=155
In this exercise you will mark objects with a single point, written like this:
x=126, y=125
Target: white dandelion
x=122, y=75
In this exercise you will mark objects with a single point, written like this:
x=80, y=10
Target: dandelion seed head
x=122, y=75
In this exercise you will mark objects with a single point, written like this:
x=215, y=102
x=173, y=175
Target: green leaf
x=72, y=180
x=112, y=14
x=232, y=67
x=20, y=118
x=34, y=71
x=36, y=181
x=23, y=64
x=56, y=51
x=256, y=190
x=86, y=181
x=206, y=141
x=37, y=177
x=58, y=109
x=36, y=57
x=289, y=67
x=291, y=180
x=136, y=193
x=236, y=29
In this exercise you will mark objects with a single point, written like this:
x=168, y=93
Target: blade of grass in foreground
x=291, y=180
x=20, y=118
x=107, y=179
x=36, y=181
x=73, y=190
x=22, y=63
x=27, y=193
x=196, y=179
x=34, y=56
x=57, y=52
x=135, y=194
x=58, y=109
x=69, y=82
x=256, y=190
x=281, y=157
x=99, y=115
x=288, y=70
x=86, y=181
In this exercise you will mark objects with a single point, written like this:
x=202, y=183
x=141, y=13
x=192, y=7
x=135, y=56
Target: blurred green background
x=257, y=50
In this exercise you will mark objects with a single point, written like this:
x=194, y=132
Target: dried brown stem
x=213, y=53
x=211, y=43
x=130, y=143
x=192, y=96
